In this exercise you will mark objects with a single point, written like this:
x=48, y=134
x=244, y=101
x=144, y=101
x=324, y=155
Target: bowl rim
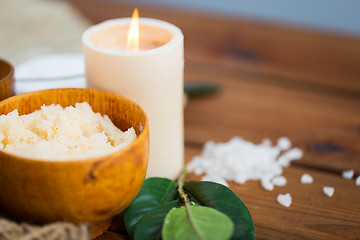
x=139, y=138
x=12, y=69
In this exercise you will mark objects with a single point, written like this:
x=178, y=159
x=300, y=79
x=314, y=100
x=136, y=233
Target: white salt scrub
x=348, y=174
x=284, y=199
x=240, y=160
x=55, y=133
x=306, y=179
x=328, y=191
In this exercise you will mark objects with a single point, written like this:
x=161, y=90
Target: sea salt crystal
x=267, y=184
x=357, y=181
x=348, y=174
x=306, y=179
x=284, y=199
x=279, y=181
x=283, y=143
x=329, y=191
x=240, y=160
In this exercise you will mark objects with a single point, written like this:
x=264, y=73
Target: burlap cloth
x=56, y=231
x=30, y=28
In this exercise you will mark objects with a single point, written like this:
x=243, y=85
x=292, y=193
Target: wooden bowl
x=6, y=79
x=91, y=190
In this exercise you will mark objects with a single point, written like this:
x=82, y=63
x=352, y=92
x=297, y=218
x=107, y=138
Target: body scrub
x=56, y=133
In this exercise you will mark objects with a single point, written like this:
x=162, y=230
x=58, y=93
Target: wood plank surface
x=255, y=47
x=276, y=80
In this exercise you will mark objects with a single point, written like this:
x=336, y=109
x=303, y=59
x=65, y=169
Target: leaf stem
x=181, y=179
x=184, y=197
x=180, y=182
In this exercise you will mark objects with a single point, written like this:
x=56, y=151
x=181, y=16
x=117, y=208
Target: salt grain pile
x=240, y=160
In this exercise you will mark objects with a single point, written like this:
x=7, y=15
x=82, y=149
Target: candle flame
x=132, y=43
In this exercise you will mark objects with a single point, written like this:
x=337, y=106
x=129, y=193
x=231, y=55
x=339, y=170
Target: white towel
x=50, y=71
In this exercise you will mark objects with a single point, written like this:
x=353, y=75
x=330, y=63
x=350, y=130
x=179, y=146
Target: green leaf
x=196, y=223
x=218, y=196
x=154, y=193
x=145, y=216
x=196, y=89
x=150, y=225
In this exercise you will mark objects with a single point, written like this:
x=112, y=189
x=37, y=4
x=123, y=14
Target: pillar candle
x=151, y=76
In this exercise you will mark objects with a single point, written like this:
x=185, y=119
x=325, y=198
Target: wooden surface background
x=276, y=81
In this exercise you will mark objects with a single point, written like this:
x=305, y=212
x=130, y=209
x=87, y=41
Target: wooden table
x=276, y=81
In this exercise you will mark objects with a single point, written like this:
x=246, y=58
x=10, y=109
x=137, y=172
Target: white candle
x=152, y=77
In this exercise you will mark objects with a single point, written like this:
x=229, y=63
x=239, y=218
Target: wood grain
x=282, y=51
x=276, y=80
x=255, y=111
